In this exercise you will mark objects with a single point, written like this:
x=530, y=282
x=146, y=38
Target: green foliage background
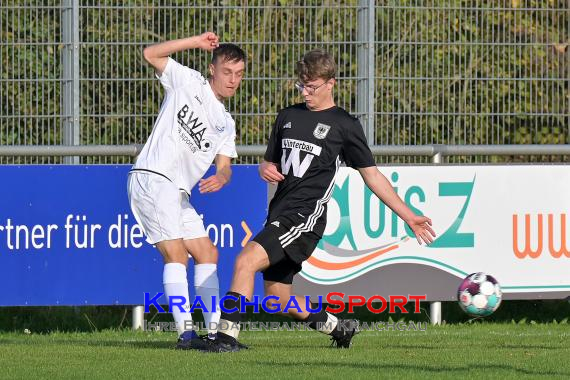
x=446, y=72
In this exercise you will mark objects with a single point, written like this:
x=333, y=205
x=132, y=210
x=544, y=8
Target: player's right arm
x=157, y=55
x=269, y=172
x=269, y=168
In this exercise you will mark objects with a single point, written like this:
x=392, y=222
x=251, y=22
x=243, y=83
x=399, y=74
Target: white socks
x=175, y=283
x=208, y=286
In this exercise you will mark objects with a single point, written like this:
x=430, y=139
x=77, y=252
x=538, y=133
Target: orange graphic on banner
x=527, y=247
x=528, y=228
x=563, y=250
x=349, y=264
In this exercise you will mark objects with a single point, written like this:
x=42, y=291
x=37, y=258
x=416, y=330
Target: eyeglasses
x=310, y=89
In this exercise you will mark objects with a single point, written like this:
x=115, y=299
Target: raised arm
x=421, y=225
x=157, y=55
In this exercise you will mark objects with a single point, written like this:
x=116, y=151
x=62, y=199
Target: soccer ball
x=479, y=295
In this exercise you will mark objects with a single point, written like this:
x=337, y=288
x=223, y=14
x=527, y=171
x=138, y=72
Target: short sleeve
x=176, y=75
x=355, y=150
x=228, y=147
x=273, y=151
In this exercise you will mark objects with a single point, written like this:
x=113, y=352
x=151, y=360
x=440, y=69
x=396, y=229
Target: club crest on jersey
x=321, y=131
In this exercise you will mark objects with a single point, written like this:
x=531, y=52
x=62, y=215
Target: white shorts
x=162, y=210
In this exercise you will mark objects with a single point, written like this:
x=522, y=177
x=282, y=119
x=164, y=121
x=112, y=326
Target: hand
x=421, y=225
x=212, y=184
x=208, y=41
x=269, y=172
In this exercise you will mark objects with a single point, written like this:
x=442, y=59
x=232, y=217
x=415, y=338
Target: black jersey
x=309, y=146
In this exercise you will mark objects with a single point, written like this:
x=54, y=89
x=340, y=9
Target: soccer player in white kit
x=192, y=130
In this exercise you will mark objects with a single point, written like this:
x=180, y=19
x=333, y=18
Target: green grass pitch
x=478, y=350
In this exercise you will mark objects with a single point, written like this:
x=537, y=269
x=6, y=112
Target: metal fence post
x=138, y=317
x=435, y=313
x=71, y=107
x=365, y=99
x=435, y=307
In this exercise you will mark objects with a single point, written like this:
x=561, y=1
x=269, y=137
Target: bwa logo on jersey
x=321, y=131
x=194, y=128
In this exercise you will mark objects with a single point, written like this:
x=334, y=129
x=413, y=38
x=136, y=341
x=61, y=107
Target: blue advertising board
x=67, y=235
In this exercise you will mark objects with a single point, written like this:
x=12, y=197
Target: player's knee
x=204, y=253
x=175, y=257
x=244, y=264
x=211, y=255
x=173, y=252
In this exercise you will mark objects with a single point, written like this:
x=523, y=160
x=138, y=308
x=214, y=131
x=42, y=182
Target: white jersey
x=192, y=127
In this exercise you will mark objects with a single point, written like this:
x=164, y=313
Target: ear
x=330, y=84
x=211, y=69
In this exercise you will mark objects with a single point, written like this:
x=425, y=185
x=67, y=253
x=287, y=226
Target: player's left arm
x=379, y=184
x=357, y=154
x=221, y=178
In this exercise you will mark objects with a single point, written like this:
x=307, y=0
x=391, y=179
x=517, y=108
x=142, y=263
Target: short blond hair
x=316, y=64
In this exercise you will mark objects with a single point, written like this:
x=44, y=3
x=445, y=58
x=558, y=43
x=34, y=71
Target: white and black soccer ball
x=479, y=295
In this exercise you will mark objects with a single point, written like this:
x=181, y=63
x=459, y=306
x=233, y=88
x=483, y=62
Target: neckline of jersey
x=326, y=109
x=213, y=94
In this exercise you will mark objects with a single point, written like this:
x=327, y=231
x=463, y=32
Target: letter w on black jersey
x=291, y=156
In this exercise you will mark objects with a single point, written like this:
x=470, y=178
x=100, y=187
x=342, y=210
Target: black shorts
x=287, y=248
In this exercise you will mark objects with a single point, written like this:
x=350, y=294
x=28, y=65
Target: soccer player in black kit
x=306, y=147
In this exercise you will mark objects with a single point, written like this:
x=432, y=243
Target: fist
x=209, y=41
